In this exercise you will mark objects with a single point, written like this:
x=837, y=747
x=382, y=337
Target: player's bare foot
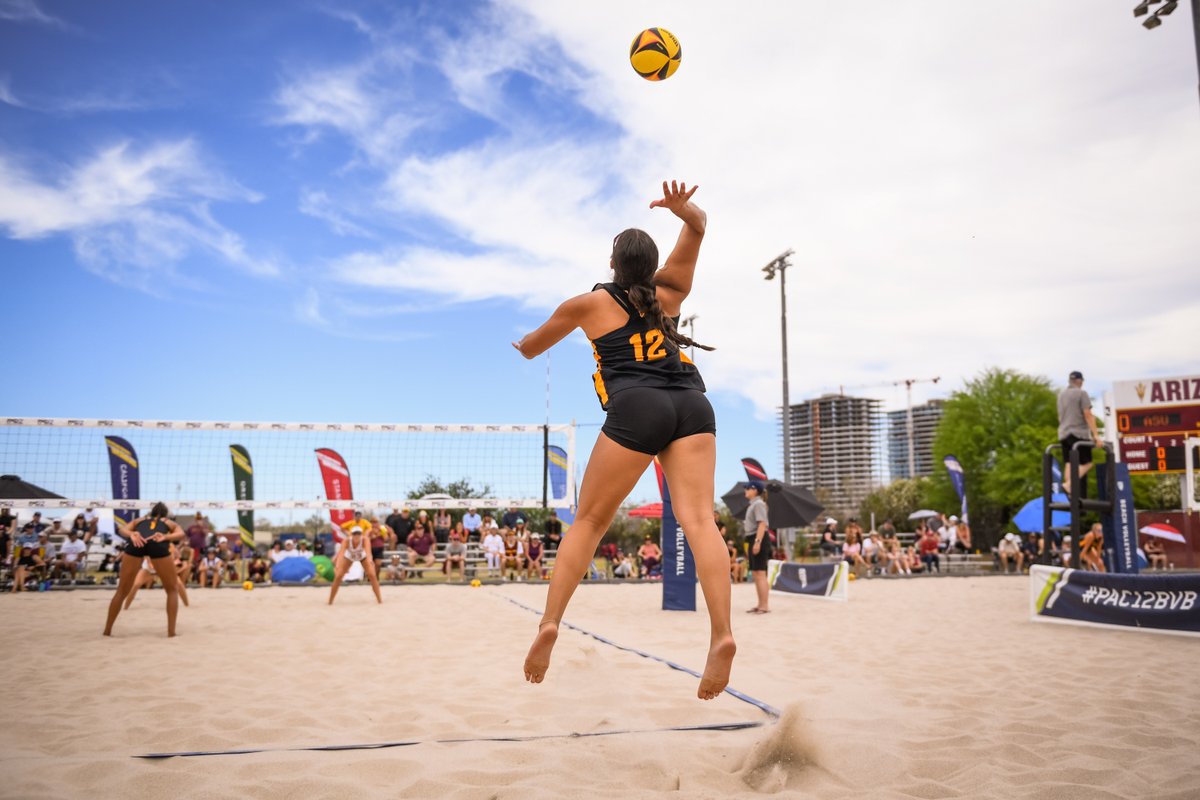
x=716, y=670
x=538, y=660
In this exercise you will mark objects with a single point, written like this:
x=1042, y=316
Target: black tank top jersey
x=637, y=355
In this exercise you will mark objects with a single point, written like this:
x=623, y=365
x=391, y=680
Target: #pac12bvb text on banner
x=1156, y=603
x=826, y=581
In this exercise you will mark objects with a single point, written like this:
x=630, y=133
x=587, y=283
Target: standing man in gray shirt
x=757, y=544
x=1076, y=423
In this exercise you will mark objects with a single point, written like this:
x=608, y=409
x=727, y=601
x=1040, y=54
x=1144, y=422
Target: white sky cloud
x=1006, y=185
x=133, y=212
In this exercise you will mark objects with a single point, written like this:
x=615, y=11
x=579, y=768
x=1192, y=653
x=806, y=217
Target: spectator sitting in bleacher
x=553, y=531
x=927, y=546
x=5, y=541
x=276, y=555
x=82, y=528
x=442, y=522
x=1156, y=554
x=962, y=537
x=212, y=568
x=513, y=555
x=456, y=553
x=420, y=545
x=489, y=523
x=829, y=543
x=651, y=558
x=26, y=562
x=302, y=550
x=872, y=552
x=46, y=549
x=1031, y=547
x=1009, y=550
x=463, y=534
x=471, y=523
x=624, y=567
x=258, y=571
x=509, y=520
x=70, y=556
x=737, y=562
x=380, y=536
x=533, y=557
x=394, y=570
x=400, y=523
x=852, y=549
x=493, y=550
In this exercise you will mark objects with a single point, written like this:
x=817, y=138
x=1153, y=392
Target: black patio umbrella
x=13, y=488
x=787, y=506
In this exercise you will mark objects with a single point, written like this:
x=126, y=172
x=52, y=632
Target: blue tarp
x=293, y=569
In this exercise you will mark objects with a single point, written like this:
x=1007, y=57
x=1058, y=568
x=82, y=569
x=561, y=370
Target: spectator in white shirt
x=949, y=533
x=493, y=549
x=304, y=552
x=70, y=555
x=471, y=521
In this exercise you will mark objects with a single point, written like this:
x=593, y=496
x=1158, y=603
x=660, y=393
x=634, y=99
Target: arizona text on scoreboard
x=1155, y=417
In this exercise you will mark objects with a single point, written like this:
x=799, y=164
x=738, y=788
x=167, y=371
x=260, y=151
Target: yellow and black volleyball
x=655, y=54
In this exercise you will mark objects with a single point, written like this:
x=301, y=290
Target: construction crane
x=908, y=384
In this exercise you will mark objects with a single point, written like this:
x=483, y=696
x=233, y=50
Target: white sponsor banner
x=322, y=427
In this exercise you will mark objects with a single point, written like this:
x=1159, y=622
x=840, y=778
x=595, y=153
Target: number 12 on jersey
x=651, y=349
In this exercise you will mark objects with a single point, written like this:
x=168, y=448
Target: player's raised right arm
x=676, y=275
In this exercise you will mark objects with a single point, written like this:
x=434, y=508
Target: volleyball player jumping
x=654, y=397
x=149, y=537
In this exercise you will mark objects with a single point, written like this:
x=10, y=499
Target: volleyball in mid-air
x=655, y=54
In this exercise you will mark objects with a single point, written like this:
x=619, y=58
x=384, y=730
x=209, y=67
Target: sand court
x=913, y=689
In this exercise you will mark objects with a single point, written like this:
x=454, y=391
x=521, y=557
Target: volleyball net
x=128, y=465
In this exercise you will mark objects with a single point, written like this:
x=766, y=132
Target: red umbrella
x=649, y=511
x=1163, y=531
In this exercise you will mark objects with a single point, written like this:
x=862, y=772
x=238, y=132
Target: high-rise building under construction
x=835, y=448
x=925, y=422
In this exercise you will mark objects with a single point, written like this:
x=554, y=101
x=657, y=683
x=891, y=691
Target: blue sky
x=347, y=210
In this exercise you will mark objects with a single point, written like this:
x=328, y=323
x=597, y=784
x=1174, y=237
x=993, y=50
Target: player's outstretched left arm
x=566, y=318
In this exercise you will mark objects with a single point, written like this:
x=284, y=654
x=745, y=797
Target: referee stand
x=1077, y=501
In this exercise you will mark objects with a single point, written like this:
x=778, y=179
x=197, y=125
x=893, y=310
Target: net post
x=545, y=465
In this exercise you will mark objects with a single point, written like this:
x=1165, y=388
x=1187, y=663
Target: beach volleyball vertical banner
x=243, y=489
x=123, y=464
x=956, y=477
x=678, y=565
x=336, y=476
x=556, y=465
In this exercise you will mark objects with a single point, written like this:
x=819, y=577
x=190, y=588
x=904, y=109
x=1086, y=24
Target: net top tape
x=320, y=427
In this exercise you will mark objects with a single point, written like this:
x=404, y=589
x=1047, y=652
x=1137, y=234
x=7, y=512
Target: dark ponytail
x=159, y=511
x=635, y=260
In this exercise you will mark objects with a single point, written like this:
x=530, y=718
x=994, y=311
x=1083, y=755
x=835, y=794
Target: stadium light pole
x=779, y=264
x=690, y=324
x=1155, y=19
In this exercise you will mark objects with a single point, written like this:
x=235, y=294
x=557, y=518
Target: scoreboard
x=1154, y=417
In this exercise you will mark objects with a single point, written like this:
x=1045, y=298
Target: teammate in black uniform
x=655, y=401
x=149, y=537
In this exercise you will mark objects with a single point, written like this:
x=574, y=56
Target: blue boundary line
x=766, y=708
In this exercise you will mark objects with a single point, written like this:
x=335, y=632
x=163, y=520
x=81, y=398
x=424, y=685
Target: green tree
x=1157, y=492
x=460, y=489
x=998, y=428
x=895, y=502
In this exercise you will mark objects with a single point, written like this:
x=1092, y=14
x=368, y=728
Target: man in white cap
x=1010, y=550
x=949, y=533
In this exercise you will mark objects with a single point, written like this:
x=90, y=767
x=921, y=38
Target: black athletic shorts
x=377, y=554
x=1085, y=453
x=647, y=419
x=152, y=550
x=758, y=563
